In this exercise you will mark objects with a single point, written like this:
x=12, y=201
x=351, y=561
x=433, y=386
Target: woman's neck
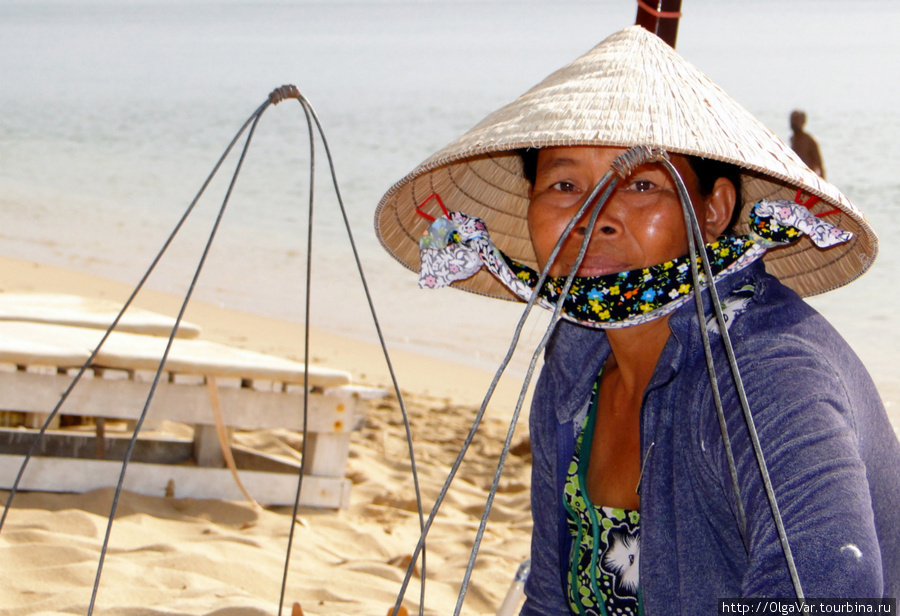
x=614, y=469
x=636, y=351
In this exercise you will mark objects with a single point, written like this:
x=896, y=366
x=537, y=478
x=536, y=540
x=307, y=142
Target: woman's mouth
x=592, y=266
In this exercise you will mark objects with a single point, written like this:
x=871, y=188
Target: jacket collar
x=576, y=353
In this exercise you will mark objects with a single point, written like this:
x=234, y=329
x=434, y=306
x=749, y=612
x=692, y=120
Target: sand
x=179, y=556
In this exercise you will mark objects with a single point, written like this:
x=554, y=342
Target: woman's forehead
x=555, y=157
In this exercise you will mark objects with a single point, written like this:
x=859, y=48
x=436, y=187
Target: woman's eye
x=642, y=185
x=563, y=186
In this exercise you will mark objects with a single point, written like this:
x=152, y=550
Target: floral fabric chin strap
x=456, y=247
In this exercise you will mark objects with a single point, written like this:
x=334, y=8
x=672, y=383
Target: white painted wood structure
x=61, y=309
x=255, y=391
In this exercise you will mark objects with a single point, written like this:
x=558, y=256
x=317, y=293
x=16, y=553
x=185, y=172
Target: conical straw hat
x=632, y=89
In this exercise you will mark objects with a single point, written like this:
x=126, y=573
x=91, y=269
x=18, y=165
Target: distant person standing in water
x=804, y=145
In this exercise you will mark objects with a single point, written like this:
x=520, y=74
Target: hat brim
x=632, y=89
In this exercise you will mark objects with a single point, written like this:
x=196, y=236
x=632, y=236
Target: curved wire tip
x=639, y=155
x=279, y=94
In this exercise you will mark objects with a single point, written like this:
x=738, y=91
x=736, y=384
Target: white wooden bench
x=254, y=390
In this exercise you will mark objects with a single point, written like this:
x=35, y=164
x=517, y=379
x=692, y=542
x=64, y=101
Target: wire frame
x=314, y=128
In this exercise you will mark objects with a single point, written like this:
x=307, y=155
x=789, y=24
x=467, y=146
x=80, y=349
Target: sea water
x=113, y=113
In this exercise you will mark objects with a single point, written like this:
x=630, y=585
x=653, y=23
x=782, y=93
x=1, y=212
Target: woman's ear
x=719, y=208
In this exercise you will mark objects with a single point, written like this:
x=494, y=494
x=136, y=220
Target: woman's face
x=641, y=224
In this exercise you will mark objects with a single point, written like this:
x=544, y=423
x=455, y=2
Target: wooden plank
x=253, y=460
x=61, y=309
x=82, y=445
x=29, y=344
x=134, y=352
x=328, y=454
x=207, y=449
x=67, y=475
x=28, y=352
x=332, y=411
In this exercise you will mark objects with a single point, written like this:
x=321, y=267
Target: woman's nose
x=604, y=229
x=607, y=222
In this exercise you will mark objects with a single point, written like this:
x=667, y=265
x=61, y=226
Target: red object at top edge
x=660, y=17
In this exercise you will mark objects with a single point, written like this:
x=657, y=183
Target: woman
x=651, y=490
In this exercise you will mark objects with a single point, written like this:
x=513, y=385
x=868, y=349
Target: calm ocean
x=113, y=112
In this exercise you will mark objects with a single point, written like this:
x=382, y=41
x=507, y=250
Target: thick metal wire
x=89, y=361
x=596, y=204
x=694, y=237
x=275, y=97
x=694, y=232
x=308, y=295
x=490, y=391
x=162, y=363
x=308, y=107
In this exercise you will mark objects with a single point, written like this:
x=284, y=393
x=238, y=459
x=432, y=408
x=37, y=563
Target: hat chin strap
x=637, y=296
x=457, y=246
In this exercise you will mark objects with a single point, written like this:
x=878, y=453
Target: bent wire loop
x=621, y=168
x=314, y=127
x=695, y=237
x=609, y=181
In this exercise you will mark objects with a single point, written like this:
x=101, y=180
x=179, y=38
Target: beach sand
x=174, y=556
x=181, y=556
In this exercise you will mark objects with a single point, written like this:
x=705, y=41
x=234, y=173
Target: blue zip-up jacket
x=832, y=455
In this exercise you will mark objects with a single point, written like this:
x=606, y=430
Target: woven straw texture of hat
x=632, y=89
